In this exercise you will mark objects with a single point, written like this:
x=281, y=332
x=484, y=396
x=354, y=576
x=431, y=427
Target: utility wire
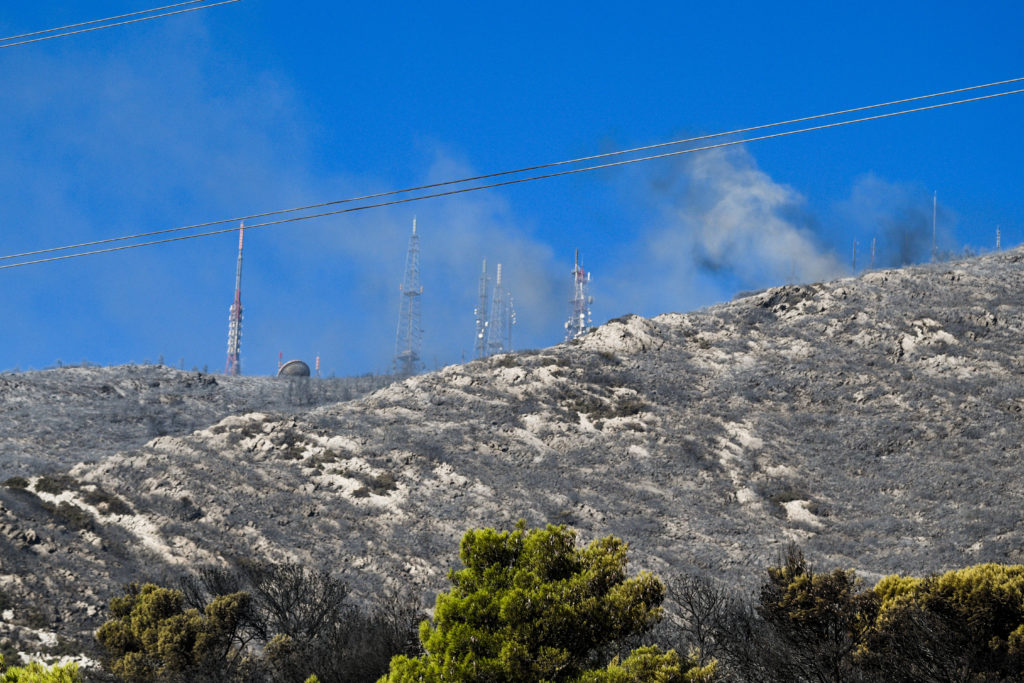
x=515, y=181
x=119, y=23
x=487, y=176
x=98, y=21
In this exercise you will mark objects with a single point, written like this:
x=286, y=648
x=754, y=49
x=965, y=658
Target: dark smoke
x=907, y=237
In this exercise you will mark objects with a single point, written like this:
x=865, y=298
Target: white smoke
x=722, y=225
x=733, y=217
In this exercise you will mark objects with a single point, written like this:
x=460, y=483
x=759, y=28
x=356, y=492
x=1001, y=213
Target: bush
x=153, y=637
x=965, y=620
x=34, y=672
x=532, y=606
x=70, y=516
x=383, y=483
x=106, y=503
x=56, y=483
x=965, y=625
x=16, y=483
x=300, y=622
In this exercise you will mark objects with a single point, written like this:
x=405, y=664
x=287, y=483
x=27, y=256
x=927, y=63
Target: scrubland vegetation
x=533, y=605
x=874, y=420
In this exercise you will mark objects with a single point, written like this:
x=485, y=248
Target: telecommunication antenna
x=481, y=312
x=579, y=315
x=409, y=336
x=873, y=240
x=234, y=362
x=501, y=319
x=999, y=244
x=935, y=205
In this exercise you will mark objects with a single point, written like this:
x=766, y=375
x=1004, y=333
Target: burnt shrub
x=70, y=516
x=106, y=503
x=56, y=483
x=507, y=360
x=383, y=483
x=300, y=620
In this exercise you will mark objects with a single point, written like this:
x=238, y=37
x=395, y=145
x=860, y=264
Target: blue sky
x=262, y=105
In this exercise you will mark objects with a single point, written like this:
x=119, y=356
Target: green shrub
x=34, y=672
x=531, y=606
x=152, y=637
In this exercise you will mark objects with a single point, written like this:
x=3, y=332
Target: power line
x=118, y=23
x=99, y=21
x=526, y=169
x=504, y=183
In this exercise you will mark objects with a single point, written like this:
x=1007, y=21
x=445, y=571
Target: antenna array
x=579, y=316
x=495, y=316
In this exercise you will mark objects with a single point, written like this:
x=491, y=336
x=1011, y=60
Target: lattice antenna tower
x=579, y=316
x=482, y=313
x=501, y=320
x=410, y=336
x=234, y=362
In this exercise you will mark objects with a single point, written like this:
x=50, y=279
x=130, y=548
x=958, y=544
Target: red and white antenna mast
x=234, y=364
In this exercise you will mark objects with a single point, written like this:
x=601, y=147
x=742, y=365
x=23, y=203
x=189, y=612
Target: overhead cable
x=515, y=181
x=4, y=44
x=99, y=21
x=526, y=169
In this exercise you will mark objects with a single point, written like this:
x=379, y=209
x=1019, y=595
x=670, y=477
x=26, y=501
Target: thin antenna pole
x=872, y=267
x=999, y=244
x=935, y=205
x=482, y=314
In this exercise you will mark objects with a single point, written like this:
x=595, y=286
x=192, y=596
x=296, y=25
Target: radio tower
x=234, y=364
x=502, y=318
x=481, y=312
x=409, y=335
x=579, y=318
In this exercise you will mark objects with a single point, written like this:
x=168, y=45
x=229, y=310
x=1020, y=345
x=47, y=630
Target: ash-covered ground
x=876, y=421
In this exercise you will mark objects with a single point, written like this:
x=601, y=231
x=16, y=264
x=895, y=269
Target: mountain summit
x=874, y=420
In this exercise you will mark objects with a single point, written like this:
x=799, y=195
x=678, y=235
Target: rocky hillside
x=56, y=418
x=875, y=420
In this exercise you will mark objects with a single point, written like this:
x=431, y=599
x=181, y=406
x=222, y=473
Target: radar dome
x=294, y=368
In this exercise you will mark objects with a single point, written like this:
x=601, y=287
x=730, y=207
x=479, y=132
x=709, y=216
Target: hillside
x=875, y=420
